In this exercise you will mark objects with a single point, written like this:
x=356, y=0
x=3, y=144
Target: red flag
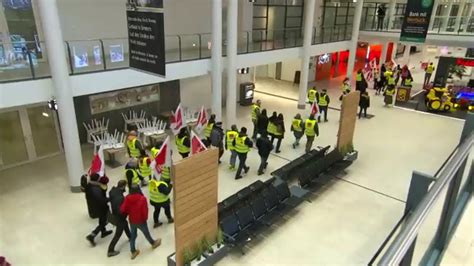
x=163, y=158
x=314, y=109
x=196, y=144
x=97, y=164
x=202, y=121
x=177, y=120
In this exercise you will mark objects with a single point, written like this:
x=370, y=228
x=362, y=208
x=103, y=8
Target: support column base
x=301, y=106
x=76, y=189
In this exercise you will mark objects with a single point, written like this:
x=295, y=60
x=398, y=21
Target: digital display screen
x=80, y=57
x=116, y=53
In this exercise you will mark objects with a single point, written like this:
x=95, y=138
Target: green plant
x=206, y=245
x=187, y=257
x=198, y=251
x=457, y=70
x=219, y=238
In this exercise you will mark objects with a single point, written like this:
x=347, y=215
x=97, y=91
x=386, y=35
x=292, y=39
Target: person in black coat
x=120, y=220
x=262, y=122
x=97, y=201
x=364, y=103
x=264, y=146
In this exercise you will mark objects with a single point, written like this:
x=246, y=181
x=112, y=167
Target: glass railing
x=440, y=25
x=424, y=231
x=29, y=60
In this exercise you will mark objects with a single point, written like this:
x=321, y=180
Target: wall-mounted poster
x=97, y=56
x=416, y=20
x=116, y=53
x=80, y=57
x=109, y=101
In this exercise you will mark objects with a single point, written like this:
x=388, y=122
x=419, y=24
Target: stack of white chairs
x=151, y=127
x=110, y=141
x=95, y=128
x=191, y=116
x=133, y=118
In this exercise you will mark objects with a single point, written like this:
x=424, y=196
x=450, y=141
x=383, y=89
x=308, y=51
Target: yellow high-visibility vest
x=145, y=169
x=408, y=82
x=296, y=124
x=165, y=174
x=312, y=94
x=255, y=110
x=208, y=130
x=271, y=128
x=240, y=145
x=309, y=127
x=323, y=100
x=429, y=69
x=230, y=136
x=359, y=77
x=135, y=178
x=391, y=81
x=154, y=151
x=155, y=195
x=134, y=152
x=180, y=144
x=390, y=92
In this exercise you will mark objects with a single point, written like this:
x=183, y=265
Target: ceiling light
x=45, y=114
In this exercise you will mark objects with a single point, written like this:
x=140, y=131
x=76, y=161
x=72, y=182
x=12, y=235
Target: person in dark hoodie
x=116, y=199
x=182, y=143
x=262, y=122
x=97, y=201
x=279, y=132
x=264, y=146
x=217, y=139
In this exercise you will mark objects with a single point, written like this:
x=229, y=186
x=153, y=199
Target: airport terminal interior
x=82, y=82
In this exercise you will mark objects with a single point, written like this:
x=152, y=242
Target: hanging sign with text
x=146, y=40
x=416, y=20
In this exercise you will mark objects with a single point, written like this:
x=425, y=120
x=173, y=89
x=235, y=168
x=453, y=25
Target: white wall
x=289, y=67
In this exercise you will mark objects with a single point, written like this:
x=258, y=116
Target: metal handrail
x=397, y=249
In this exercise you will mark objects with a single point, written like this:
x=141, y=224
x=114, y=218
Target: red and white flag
x=202, y=121
x=177, y=120
x=314, y=109
x=162, y=159
x=98, y=164
x=196, y=144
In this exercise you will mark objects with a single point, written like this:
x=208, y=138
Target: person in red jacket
x=135, y=206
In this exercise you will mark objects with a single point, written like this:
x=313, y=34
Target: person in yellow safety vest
x=209, y=126
x=311, y=130
x=131, y=174
x=134, y=146
x=297, y=126
x=242, y=145
x=428, y=71
x=165, y=174
x=359, y=80
x=387, y=74
x=312, y=94
x=323, y=103
x=144, y=168
x=408, y=81
x=255, y=113
x=345, y=87
x=271, y=127
x=389, y=92
x=279, y=132
x=160, y=198
x=230, y=135
x=182, y=143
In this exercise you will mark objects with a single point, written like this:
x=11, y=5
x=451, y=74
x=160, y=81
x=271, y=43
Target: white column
x=355, y=37
x=231, y=99
x=433, y=14
x=308, y=31
x=459, y=15
x=391, y=13
x=383, y=56
x=394, y=50
x=62, y=90
x=446, y=17
x=216, y=59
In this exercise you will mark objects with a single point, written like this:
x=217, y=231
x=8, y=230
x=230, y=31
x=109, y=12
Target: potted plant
x=187, y=257
x=219, y=238
x=207, y=247
x=198, y=253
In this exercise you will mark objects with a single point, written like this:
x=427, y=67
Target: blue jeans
x=133, y=234
x=233, y=157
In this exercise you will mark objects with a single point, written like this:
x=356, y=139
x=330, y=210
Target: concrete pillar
x=232, y=9
x=383, y=56
x=308, y=32
x=391, y=13
x=355, y=37
x=216, y=59
x=459, y=15
x=433, y=15
x=62, y=91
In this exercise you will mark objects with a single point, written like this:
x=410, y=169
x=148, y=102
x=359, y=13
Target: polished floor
x=42, y=223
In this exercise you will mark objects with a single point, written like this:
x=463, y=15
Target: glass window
x=43, y=130
x=12, y=140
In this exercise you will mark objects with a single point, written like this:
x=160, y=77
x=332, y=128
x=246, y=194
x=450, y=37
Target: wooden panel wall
x=350, y=105
x=195, y=200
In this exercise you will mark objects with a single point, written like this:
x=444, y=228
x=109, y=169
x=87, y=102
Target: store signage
x=465, y=62
x=416, y=20
x=146, y=40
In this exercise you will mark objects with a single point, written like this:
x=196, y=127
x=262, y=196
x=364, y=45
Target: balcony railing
x=27, y=61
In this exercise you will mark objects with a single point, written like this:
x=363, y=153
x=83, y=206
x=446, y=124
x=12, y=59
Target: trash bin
x=246, y=93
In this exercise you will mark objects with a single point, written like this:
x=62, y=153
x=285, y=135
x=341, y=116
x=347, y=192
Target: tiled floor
x=43, y=223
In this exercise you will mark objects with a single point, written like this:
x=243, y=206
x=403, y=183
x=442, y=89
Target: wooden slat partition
x=350, y=104
x=195, y=200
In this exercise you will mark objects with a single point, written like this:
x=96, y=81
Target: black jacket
x=96, y=200
x=262, y=123
x=264, y=146
x=116, y=199
x=364, y=101
x=217, y=137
